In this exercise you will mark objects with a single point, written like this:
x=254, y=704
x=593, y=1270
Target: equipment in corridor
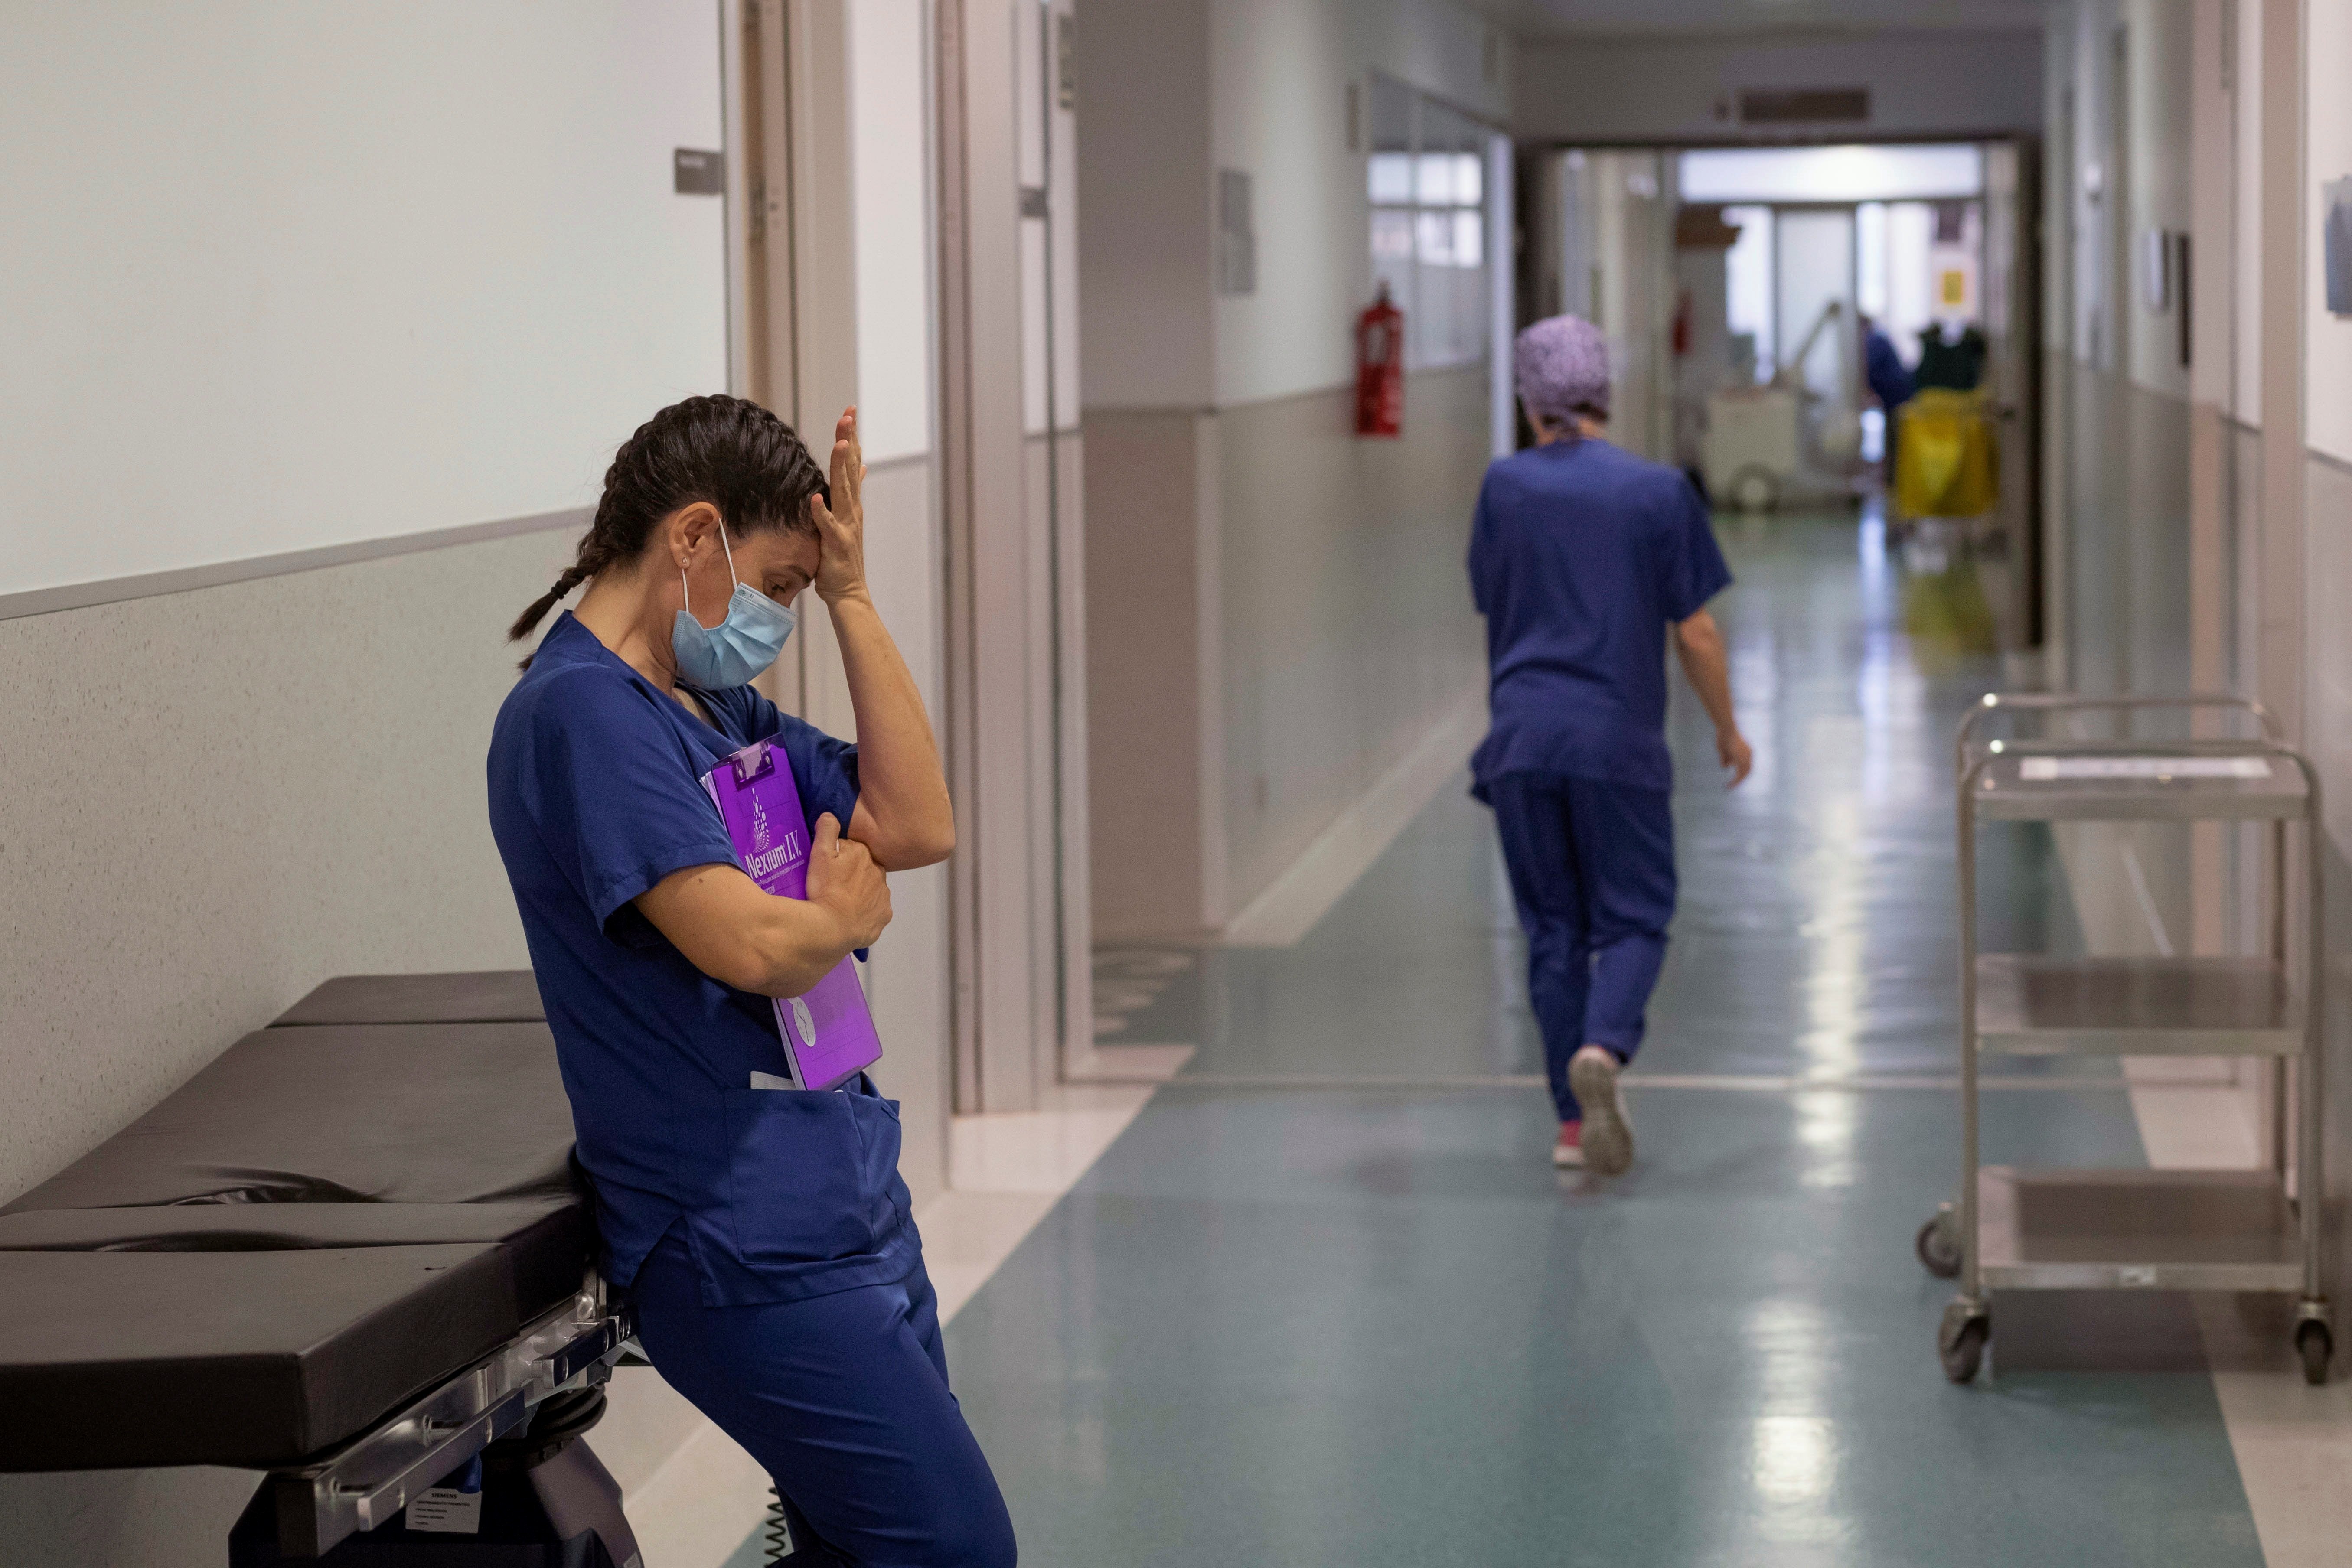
x=352, y=1252
x=1784, y=443
x=1946, y=461
x=2138, y=1229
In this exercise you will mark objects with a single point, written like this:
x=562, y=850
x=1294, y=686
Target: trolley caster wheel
x=1755, y=489
x=1960, y=1340
x=2317, y=1346
x=1939, y=1253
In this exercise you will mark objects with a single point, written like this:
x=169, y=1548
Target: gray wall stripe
x=181, y=580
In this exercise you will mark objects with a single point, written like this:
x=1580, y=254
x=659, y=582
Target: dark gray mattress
x=482, y=997
x=320, y=1226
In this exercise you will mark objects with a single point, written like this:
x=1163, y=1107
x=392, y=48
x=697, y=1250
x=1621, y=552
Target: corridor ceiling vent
x=1805, y=106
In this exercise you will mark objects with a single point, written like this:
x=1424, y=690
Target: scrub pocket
x=810, y=1174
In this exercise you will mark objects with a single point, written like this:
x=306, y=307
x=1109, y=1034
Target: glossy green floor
x=1325, y=1324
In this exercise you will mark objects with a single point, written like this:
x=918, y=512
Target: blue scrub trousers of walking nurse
x=758, y=1224
x=1592, y=865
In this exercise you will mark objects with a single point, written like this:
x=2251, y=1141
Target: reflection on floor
x=1357, y=1319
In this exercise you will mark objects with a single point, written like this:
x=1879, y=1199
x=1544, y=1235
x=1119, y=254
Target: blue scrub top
x=596, y=796
x=1581, y=557
x=1890, y=378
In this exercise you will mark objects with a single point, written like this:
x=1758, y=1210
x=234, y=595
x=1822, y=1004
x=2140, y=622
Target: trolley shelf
x=2147, y=785
x=2163, y=1230
x=2028, y=1005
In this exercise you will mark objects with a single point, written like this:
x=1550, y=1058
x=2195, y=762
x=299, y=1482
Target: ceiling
x=1538, y=19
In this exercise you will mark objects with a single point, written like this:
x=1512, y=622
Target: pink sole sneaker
x=1608, y=1143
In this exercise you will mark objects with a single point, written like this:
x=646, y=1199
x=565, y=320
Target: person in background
x=1889, y=378
x=1585, y=562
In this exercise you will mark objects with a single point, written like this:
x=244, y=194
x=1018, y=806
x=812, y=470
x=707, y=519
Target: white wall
x=1921, y=84
x=1143, y=229
x=2157, y=178
x=2246, y=300
x=2085, y=29
x=1279, y=78
x=279, y=276
x=890, y=177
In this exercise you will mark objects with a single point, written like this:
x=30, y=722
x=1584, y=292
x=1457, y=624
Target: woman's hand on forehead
x=841, y=526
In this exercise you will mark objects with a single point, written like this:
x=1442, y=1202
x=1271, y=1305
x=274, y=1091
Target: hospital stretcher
x=353, y=1253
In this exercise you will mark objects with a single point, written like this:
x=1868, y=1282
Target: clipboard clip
x=755, y=760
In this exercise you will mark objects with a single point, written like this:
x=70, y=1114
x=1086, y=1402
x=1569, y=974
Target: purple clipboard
x=828, y=1032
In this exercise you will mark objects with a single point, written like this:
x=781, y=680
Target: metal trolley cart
x=2178, y=1230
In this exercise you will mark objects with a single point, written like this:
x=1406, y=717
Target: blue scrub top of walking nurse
x=1581, y=555
x=596, y=796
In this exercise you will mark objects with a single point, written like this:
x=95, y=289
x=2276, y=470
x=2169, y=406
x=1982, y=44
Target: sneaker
x=1608, y=1141
x=1568, y=1153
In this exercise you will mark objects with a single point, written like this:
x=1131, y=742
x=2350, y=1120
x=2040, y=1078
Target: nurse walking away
x=1583, y=559
x=763, y=1234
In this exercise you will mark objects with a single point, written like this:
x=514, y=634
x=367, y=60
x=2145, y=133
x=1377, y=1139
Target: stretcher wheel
x=1960, y=1340
x=2317, y=1346
x=1939, y=1254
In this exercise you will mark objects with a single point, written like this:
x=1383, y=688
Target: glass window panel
x=1390, y=179
x=1397, y=273
x=1426, y=173
x=1748, y=275
x=1435, y=233
x=1870, y=259
x=1469, y=237
x=1910, y=280
x=1436, y=179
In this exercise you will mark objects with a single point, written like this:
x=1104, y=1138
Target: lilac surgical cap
x=1562, y=364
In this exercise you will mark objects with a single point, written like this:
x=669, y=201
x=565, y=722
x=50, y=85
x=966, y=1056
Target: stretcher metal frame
x=2242, y=1231
x=371, y=1479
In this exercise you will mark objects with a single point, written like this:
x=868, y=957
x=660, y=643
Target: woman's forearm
x=902, y=790
x=732, y=930
x=1708, y=665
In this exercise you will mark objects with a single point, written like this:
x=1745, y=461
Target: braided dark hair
x=727, y=451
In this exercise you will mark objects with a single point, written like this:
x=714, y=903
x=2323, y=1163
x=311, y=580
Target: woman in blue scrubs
x=1586, y=562
x=763, y=1234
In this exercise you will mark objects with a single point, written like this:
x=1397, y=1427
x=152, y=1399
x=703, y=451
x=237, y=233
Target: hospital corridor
x=1423, y=1343
x=944, y=784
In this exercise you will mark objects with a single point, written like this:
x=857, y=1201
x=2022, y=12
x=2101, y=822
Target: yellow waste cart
x=1947, y=462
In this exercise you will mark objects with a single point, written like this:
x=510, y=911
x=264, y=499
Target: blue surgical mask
x=731, y=653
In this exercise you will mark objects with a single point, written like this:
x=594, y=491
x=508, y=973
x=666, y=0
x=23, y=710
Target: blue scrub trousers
x=1592, y=871
x=844, y=1400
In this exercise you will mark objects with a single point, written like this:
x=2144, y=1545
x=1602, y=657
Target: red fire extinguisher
x=1380, y=369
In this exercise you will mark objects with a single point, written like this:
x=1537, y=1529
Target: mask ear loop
x=730, y=556
x=687, y=593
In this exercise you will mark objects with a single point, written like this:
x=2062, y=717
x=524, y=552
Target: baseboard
x=1295, y=901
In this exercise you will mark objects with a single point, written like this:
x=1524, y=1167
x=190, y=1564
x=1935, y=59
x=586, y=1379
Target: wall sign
x=698, y=172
